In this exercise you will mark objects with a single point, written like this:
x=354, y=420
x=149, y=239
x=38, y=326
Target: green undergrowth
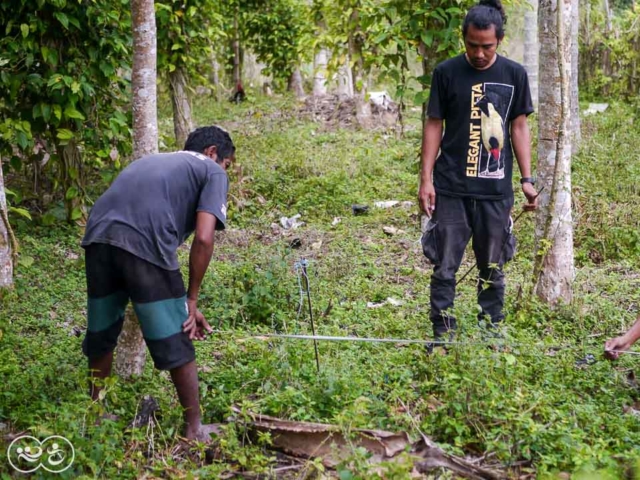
x=531, y=407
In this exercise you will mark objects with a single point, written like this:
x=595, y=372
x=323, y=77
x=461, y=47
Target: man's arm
x=620, y=344
x=431, y=139
x=199, y=258
x=521, y=142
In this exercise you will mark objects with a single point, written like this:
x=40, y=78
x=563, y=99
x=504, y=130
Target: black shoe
x=441, y=340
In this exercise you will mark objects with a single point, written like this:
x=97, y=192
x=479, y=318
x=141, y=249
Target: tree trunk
x=182, y=123
x=531, y=49
x=344, y=79
x=130, y=357
x=606, y=57
x=576, y=135
x=6, y=250
x=320, y=62
x=356, y=40
x=554, y=269
x=143, y=78
x=236, y=52
x=295, y=83
x=215, y=79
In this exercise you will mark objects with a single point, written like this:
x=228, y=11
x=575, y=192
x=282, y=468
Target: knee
x=491, y=275
x=443, y=276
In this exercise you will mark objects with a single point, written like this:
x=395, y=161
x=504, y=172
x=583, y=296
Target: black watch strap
x=530, y=180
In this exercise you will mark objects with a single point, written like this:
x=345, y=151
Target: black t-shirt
x=150, y=209
x=477, y=106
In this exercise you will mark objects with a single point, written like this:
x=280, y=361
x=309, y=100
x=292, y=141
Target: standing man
x=480, y=100
x=131, y=242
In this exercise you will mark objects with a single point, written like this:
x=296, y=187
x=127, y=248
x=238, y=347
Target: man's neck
x=494, y=60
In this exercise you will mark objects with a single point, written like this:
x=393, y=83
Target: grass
x=530, y=408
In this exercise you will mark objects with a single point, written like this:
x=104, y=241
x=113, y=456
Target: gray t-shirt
x=150, y=209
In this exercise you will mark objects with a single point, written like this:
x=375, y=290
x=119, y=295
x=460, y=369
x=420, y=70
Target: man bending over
x=131, y=242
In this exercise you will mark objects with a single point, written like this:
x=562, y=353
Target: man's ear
x=212, y=152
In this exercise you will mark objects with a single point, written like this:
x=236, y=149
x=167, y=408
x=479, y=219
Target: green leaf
x=76, y=214
x=26, y=261
x=24, y=28
x=20, y=211
x=72, y=192
x=71, y=112
x=46, y=112
x=48, y=219
x=427, y=37
x=64, y=134
x=62, y=18
x=22, y=140
x=510, y=359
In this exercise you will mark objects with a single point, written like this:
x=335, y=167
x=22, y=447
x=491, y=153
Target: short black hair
x=202, y=138
x=485, y=14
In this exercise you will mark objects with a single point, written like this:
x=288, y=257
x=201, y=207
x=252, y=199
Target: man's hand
x=196, y=325
x=532, y=197
x=613, y=347
x=427, y=198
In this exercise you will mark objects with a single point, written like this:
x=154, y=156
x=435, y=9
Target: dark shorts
x=115, y=276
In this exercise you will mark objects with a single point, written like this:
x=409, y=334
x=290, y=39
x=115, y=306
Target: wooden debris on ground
x=329, y=442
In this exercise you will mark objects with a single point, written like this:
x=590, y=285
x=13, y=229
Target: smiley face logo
x=27, y=454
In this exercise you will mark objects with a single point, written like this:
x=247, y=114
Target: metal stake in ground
x=303, y=263
x=504, y=243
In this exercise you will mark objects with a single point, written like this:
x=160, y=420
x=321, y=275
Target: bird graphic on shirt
x=492, y=128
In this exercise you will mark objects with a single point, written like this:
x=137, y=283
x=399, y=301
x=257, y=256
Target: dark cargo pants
x=454, y=222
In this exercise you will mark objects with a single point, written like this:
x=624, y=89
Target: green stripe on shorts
x=105, y=311
x=162, y=319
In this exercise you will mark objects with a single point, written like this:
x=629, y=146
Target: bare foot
x=203, y=434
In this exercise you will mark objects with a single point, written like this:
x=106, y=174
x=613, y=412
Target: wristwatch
x=530, y=180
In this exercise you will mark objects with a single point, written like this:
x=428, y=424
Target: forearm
x=521, y=141
x=634, y=333
x=431, y=139
x=199, y=259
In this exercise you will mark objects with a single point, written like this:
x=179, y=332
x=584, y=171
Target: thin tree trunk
x=7, y=243
x=554, y=269
x=130, y=357
x=236, y=52
x=363, y=109
x=295, y=83
x=576, y=135
x=215, y=79
x=182, y=123
x=143, y=78
x=606, y=58
x=320, y=62
x=531, y=49
x=344, y=79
